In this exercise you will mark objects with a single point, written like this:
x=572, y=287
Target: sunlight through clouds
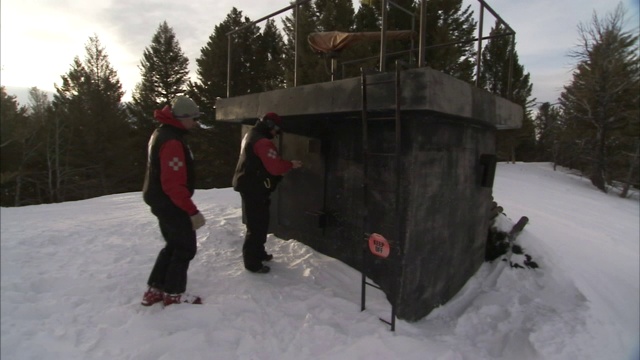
x=40, y=38
x=39, y=43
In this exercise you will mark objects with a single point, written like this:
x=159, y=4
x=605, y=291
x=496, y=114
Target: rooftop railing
x=382, y=57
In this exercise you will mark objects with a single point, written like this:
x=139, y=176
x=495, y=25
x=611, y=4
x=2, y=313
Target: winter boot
x=181, y=299
x=263, y=270
x=267, y=257
x=152, y=296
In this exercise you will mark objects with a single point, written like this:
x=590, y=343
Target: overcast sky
x=40, y=38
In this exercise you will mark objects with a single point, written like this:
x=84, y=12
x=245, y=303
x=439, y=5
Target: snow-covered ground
x=72, y=277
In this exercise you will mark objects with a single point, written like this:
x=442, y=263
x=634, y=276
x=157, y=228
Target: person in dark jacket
x=258, y=172
x=168, y=188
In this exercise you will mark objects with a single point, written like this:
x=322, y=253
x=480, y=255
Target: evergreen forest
x=86, y=142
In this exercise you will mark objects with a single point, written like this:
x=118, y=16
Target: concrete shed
x=407, y=155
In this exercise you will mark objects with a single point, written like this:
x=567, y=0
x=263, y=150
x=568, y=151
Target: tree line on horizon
x=87, y=142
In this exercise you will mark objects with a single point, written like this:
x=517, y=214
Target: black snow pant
x=255, y=210
x=170, y=270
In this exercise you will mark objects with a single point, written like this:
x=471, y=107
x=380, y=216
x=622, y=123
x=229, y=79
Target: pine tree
x=402, y=15
x=90, y=101
x=334, y=15
x=547, y=124
x=602, y=97
x=22, y=146
x=497, y=64
x=365, y=54
x=449, y=29
x=312, y=67
x=43, y=168
x=253, y=69
x=14, y=136
x=367, y=18
x=496, y=77
x=269, y=56
x=55, y=151
x=164, y=70
x=213, y=61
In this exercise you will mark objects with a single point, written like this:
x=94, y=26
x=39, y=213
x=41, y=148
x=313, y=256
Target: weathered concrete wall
x=422, y=89
x=443, y=207
x=447, y=211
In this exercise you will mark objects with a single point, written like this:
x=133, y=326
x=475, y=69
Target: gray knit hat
x=183, y=107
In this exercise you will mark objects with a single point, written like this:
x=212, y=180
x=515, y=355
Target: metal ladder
x=390, y=155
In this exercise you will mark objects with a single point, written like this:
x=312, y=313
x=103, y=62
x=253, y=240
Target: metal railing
x=511, y=32
x=422, y=47
x=294, y=6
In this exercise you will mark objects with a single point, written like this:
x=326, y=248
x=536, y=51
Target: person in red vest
x=258, y=172
x=168, y=187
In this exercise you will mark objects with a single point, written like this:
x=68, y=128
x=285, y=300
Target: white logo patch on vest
x=272, y=154
x=176, y=164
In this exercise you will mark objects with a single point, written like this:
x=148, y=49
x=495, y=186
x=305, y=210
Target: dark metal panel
x=300, y=203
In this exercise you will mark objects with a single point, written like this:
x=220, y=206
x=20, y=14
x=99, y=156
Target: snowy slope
x=72, y=276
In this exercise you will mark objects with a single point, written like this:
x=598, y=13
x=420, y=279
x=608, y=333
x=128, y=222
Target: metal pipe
x=299, y=2
x=479, y=53
x=413, y=25
x=426, y=47
x=511, y=56
x=423, y=33
x=292, y=6
x=295, y=46
x=383, y=35
x=334, y=66
x=400, y=8
x=485, y=5
x=228, y=65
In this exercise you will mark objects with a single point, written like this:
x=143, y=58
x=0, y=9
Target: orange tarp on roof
x=337, y=41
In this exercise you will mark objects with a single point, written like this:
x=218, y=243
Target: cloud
x=40, y=38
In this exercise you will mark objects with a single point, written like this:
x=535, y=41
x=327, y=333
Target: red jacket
x=170, y=173
x=259, y=167
x=268, y=153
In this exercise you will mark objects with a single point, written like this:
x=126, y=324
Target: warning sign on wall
x=379, y=246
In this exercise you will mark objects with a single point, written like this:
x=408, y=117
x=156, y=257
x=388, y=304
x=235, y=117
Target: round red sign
x=378, y=245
